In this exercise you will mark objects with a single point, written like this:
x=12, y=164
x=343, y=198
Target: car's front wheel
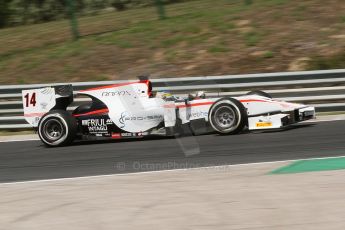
x=57, y=128
x=228, y=116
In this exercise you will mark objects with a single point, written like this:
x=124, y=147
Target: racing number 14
x=29, y=101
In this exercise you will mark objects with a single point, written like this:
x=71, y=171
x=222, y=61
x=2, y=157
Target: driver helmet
x=164, y=95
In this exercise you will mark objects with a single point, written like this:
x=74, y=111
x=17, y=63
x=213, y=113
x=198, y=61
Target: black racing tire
x=57, y=128
x=228, y=116
x=259, y=93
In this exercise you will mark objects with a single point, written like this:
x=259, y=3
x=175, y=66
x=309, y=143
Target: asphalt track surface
x=30, y=160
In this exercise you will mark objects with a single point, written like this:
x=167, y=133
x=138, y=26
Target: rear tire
x=57, y=128
x=228, y=116
x=259, y=93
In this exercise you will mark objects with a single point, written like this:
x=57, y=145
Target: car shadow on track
x=155, y=138
x=95, y=142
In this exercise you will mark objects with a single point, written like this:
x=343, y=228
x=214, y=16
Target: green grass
x=172, y=41
x=343, y=19
x=274, y=2
x=190, y=24
x=68, y=49
x=268, y=54
x=101, y=78
x=299, y=12
x=252, y=38
x=333, y=62
x=69, y=69
x=218, y=49
x=222, y=27
x=198, y=32
x=186, y=18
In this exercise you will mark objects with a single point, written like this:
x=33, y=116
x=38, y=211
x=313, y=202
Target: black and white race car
x=129, y=110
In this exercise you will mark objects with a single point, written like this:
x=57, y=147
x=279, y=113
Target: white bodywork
x=133, y=110
x=130, y=107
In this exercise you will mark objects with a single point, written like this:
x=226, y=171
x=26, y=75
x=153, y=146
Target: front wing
x=280, y=120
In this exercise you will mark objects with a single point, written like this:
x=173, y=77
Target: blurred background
x=45, y=41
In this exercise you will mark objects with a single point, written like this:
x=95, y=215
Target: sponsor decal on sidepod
x=125, y=117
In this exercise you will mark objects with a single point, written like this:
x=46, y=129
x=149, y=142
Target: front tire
x=228, y=116
x=57, y=128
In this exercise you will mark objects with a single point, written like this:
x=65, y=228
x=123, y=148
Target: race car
x=131, y=110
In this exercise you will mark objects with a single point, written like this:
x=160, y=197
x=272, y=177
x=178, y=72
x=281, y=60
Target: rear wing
x=37, y=102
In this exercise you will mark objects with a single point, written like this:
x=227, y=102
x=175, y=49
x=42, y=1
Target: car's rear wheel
x=259, y=93
x=228, y=116
x=57, y=128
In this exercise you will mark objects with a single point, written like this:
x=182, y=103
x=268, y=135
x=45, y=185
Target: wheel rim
x=53, y=130
x=225, y=117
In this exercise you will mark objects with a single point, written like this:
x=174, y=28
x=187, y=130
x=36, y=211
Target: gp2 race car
x=129, y=110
